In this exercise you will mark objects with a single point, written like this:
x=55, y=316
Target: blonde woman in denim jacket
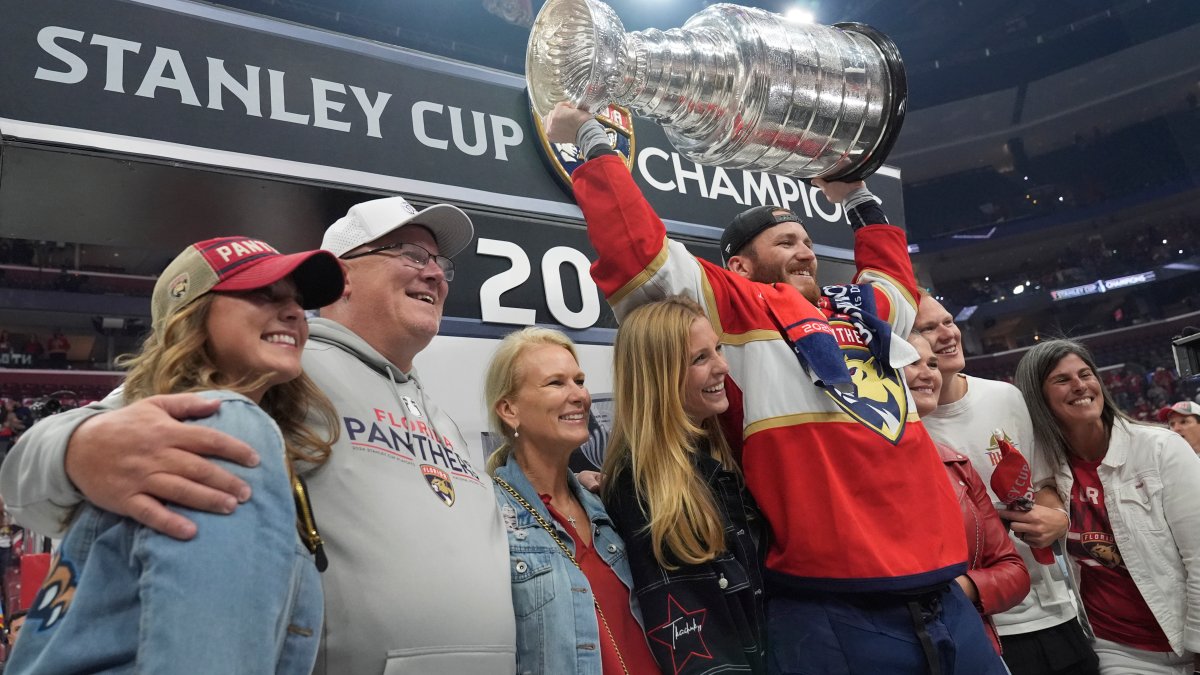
x=1134, y=540
x=570, y=574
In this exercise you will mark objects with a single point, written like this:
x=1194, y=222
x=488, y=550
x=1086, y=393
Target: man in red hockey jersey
x=866, y=533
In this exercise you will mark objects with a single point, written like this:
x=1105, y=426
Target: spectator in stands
x=1184, y=419
x=16, y=621
x=229, y=322
x=5, y=345
x=1134, y=541
x=7, y=530
x=996, y=579
x=24, y=414
x=559, y=535
x=56, y=349
x=1156, y=396
x=1164, y=378
x=1141, y=410
x=11, y=425
x=379, y=512
x=677, y=495
x=1040, y=635
x=1135, y=384
x=1115, y=381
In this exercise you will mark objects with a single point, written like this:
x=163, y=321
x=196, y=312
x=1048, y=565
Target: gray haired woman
x=1135, y=514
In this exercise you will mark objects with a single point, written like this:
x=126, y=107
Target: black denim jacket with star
x=705, y=618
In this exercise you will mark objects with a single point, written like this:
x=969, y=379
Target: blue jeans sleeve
x=223, y=602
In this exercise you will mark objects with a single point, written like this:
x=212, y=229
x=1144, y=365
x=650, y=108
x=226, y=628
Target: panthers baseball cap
x=748, y=224
x=1181, y=408
x=368, y=221
x=243, y=264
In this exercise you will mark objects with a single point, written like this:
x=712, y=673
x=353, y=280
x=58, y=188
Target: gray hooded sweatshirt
x=418, y=578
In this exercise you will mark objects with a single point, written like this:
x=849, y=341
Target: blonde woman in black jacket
x=676, y=495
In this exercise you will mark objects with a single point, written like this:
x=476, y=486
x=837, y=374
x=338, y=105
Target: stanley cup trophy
x=736, y=87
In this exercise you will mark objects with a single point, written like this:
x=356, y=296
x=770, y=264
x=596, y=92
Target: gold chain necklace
x=570, y=556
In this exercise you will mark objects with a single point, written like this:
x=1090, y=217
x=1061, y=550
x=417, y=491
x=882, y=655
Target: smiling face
x=395, y=307
x=704, y=379
x=936, y=325
x=781, y=254
x=923, y=377
x=252, y=333
x=550, y=407
x=1073, y=394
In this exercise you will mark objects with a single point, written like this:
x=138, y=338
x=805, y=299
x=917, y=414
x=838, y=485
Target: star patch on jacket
x=682, y=634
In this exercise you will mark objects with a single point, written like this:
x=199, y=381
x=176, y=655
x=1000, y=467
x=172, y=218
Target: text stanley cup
x=736, y=87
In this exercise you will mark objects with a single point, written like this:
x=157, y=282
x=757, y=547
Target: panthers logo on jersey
x=876, y=397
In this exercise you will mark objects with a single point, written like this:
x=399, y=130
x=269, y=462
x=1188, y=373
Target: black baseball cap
x=748, y=224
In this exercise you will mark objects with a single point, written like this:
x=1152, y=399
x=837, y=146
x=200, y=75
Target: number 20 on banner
x=518, y=273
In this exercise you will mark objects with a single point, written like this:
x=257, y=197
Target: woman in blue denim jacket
x=570, y=578
x=244, y=595
x=677, y=496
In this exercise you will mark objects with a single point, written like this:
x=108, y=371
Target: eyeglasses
x=413, y=255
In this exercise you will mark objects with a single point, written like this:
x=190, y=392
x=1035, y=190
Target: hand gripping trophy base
x=736, y=87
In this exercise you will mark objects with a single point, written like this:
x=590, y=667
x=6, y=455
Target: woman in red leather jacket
x=996, y=579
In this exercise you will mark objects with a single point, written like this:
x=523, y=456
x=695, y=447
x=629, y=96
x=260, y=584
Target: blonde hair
x=504, y=377
x=653, y=437
x=175, y=359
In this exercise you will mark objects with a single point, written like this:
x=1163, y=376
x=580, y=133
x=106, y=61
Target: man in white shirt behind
x=1040, y=636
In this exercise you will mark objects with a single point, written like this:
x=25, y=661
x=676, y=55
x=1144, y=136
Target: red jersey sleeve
x=881, y=257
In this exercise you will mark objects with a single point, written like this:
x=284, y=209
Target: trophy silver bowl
x=737, y=87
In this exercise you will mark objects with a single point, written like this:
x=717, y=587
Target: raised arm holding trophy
x=866, y=536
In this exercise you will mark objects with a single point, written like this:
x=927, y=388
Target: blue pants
x=844, y=635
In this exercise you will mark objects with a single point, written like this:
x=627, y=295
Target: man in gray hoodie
x=417, y=578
